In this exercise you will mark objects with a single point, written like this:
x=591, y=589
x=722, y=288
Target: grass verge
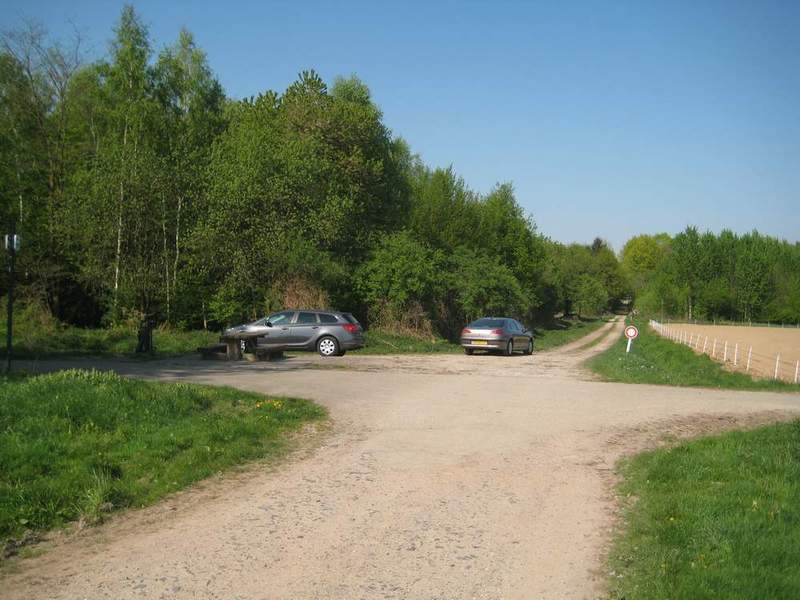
x=77, y=444
x=382, y=342
x=564, y=331
x=550, y=335
x=655, y=360
x=712, y=518
x=32, y=340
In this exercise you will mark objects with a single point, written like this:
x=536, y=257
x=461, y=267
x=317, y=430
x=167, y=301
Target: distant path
x=443, y=477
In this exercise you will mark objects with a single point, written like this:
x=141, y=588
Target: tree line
x=695, y=275
x=142, y=191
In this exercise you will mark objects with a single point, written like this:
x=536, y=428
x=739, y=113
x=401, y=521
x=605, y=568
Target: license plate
x=479, y=342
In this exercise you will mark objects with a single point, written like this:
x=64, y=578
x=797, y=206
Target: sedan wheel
x=328, y=346
x=529, y=349
x=510, y=348
x=468, y=351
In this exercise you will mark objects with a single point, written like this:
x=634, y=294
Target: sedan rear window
x=487, y=324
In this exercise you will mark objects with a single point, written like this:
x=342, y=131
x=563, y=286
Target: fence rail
x=737, y=356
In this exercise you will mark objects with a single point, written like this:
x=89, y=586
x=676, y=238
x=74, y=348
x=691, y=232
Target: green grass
x=61, y=340
x=548, y=336
x=712, y=518
x=383, y=342
x=564, y=331
x=75, y=444
x=656, y=360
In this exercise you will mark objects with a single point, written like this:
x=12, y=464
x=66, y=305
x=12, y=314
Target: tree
x=590, y=296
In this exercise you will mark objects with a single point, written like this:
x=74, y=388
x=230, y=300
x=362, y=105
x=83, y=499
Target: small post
x=749, y=356
x=736, y=355
x=705, y=345
x=691, y=335
x=796, y=370
x=628, y=349
x=777, y=364
x=725, y=355
x=714, y=349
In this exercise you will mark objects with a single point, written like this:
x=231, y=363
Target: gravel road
x=441, y=477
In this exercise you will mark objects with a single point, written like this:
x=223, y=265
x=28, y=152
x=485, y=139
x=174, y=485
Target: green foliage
x=716, y=517
x=658, y=361
x=401, y=272
x=79, y=443
x=725, y=276
x=591, y=296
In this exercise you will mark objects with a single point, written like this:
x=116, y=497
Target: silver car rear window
x=351, y=319
x=487, y=324
x=324, y=318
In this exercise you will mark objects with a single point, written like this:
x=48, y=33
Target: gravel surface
x=441, y=477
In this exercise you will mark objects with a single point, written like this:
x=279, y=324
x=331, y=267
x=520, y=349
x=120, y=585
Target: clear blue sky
x=610, y=118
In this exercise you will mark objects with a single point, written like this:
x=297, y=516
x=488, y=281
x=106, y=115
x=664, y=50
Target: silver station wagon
x=328, y=332
x=497, y=334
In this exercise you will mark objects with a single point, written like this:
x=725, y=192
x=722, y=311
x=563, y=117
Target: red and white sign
x=631, y=332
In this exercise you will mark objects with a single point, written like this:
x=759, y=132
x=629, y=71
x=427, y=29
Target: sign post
x=12, y=245
x=631, y=332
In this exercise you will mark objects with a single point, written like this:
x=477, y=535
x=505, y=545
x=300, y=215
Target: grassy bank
x=654, y=359
x=712, y=518
x=42, y=338
x=550, y=335
x=564, y=331
x=384, y=342
x=75, y=444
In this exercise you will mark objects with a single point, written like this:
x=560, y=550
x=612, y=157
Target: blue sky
x=610, y=118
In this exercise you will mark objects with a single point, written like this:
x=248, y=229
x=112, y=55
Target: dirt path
x=443, y=477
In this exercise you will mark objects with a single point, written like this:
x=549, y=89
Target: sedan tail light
x=465, y=331
x=498, y=331
x=351, y=328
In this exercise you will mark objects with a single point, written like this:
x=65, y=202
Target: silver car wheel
x=530, y=347
x=328, y=347
x=510, y=348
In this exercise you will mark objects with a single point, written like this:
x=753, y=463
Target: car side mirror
x=268, y=324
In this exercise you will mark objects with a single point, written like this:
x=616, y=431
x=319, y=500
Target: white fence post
x=749, y=356
x=725, y=356
x=714, y=349
x=736, y=355
x=777, y=364
x=705, y=345
x=796, y=370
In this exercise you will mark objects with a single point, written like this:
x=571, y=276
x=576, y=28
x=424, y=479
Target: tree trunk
x=166, y=258
x=177, y=245
x=118, y=257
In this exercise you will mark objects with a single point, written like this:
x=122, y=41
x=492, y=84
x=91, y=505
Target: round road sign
x=631, y=332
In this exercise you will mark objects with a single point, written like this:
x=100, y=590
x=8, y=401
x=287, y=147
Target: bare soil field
x=439, y=478
x=766, y=344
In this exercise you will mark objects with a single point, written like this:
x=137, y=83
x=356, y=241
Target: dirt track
x=442, y=477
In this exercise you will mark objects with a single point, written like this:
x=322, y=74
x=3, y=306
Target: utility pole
x=12, y=245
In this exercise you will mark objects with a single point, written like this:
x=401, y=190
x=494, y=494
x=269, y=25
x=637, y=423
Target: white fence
x=734, y=355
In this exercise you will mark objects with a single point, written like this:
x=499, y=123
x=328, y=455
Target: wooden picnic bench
x=230, y=348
